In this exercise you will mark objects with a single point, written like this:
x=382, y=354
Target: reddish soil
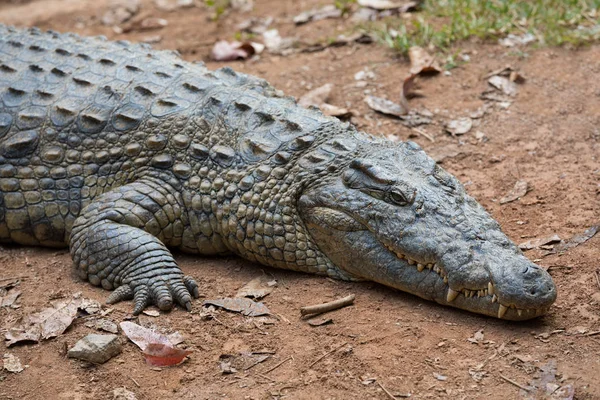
x=549, y=136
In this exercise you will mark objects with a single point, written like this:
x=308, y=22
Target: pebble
x=95, y=348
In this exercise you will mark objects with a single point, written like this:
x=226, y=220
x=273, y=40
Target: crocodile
x=124, y=153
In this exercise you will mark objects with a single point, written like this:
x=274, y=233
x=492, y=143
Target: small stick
x=593, y=333
x=514, y=383
x=391, y=396
x=266, y=377
x=425, y=134
x=597, y=278
x=328, y=353
x=277, y=366
x=330, y=306
x=134, y=381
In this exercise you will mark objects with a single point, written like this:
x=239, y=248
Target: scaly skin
x=121, y=152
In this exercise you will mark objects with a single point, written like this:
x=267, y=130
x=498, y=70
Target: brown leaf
x=161, y=355
x=519, y=190
x=255, y=289
x=316, y=96
x=46, y=324
x=12, y=363
x=422, y=62
x=535, y=243
x=320, y=321
x=578, y=239
x=385, y=106
x=242, y=305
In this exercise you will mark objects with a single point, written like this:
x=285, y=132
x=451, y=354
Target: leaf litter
x=256, y=289
x=519, y=190
x=49, y=322
x=158, y=350
x=241, y=305
x=11, y=363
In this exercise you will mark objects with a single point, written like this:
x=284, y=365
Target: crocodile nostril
x=532, y=291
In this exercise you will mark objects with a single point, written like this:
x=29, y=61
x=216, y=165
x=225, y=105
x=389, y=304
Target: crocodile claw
x=159, y=292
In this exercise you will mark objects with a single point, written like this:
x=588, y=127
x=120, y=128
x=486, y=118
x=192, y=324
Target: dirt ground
x=549, y=136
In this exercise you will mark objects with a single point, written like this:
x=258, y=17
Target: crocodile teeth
x=420, y=267
x=502, y=310
x=494, y=299
x=451, y=295
x=520, y=312
x=490, y=288
x=445, y=279
x=411, y=262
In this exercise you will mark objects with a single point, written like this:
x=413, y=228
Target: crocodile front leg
x=119, y=242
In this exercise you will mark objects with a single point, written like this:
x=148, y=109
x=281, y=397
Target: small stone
x=123, y=394
x=96, y=349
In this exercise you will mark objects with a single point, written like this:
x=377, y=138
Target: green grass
x=442, y=23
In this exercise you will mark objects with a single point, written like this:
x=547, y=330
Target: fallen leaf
x=535, y=243
x=519, y=190
x=459, y=126
x=577, y=239
x=385, y=106
x=161, y=355
x=334, y=111
x=381, y=5
x=328, y=11
x=12, y=363
x=477, y=337
x=241, y=304
x=158, y=350
x=151, y=312
x=46, y=324
x=255, y=289
x=103, y=325
x=422, y=62
x=9, y=298
x=230, y=51
x=316, y=96
x=242, y=5
x=505, y=85
x=547, y=386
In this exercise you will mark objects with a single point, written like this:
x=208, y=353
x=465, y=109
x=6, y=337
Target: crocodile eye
x=398, y=198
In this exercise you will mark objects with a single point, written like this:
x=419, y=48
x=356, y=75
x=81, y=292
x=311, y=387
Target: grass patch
x=441, y=23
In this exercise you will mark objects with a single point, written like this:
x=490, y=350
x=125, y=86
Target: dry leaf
x=505, y=85
x=459, y=126
x=577, y=239
x=535, y=243
x=241, y=304
x=9, y=299
x=422, y=62
x=385, y=106
x=334, y=111
x=254, y=289
x=158, y=350
x=316, y=96
x=46, y=324
x=320, y=321
x=519, y=190
x=275, y=43
x=161, y=355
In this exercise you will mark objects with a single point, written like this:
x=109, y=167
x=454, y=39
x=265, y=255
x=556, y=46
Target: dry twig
x=277, y=366
x=326, y=354
x=325, y=307
x=514, y=383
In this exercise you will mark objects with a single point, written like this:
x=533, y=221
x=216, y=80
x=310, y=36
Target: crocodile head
x=395, y=217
